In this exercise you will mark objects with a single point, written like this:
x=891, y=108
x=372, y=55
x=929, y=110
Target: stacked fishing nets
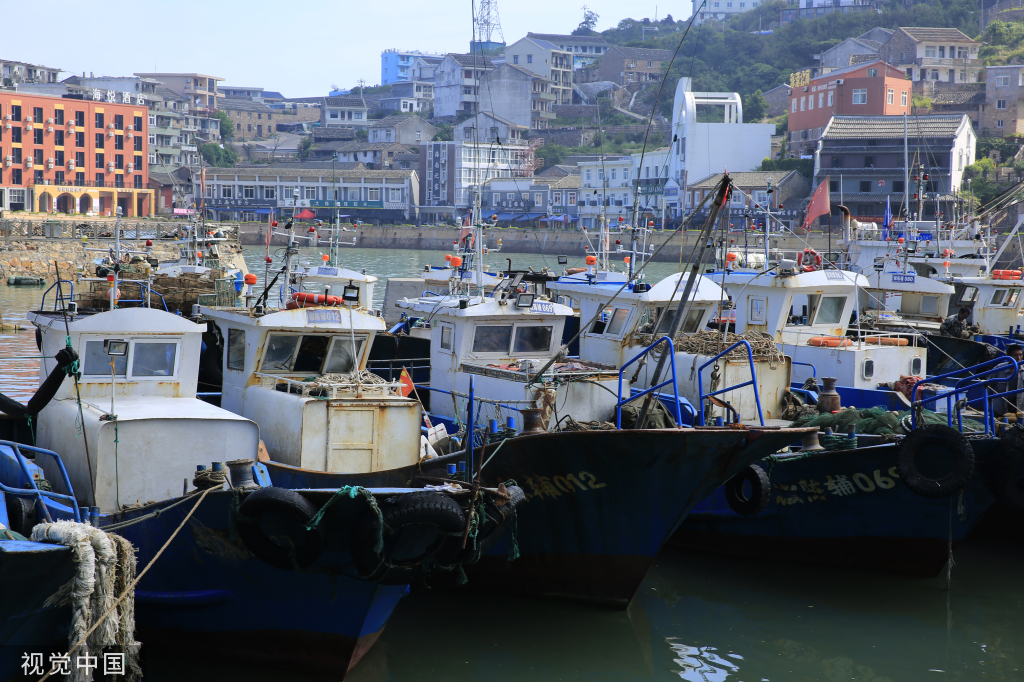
x=876, y=420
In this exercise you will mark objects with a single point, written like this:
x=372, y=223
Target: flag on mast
x=819, y=205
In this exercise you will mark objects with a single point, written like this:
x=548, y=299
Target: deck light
x=524, y=300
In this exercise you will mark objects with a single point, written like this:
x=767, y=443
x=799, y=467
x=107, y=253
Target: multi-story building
x=722, y=9
x=938, y=55
x=584, y=49
x=862, y=156
x=344, y=111
x=457, y=83
x=237, y=92
x=547, y=60
x=408, y=130
x=409, y=96
x=852, y=51
x=488, y=127
x=873, y=89
x=789, y=189
x=518, y=95
x=1003, y=111
x=13, y=73
x=74, y=155
x=397, y=65
x=252, y=120
x=200, y=89
x=249, y=194
x=626, y=65
x=452, y=171
x=778, y=100
x=375, y=155
x=606, y=189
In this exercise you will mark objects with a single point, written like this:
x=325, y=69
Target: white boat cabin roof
x=476, y=307
x=314, y=318
x=705, y=290
x=907, y=282
x=328, y=274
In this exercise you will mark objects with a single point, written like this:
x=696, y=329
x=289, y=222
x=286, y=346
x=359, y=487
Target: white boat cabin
x=996, y=301
x=337, y=281
x=149, y=360
x=503, y=345
x=625, y=327
x=932, y=249
x=904, y=298
x=280, y=370
x=815, y=333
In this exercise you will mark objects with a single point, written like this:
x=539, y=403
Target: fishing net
x=875, y=420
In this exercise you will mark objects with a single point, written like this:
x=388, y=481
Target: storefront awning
x=529, y=216
x=507, y=216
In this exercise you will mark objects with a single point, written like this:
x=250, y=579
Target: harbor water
x=697, y=617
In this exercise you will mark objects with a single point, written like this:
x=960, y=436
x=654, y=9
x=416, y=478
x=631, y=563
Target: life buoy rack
x=808, y=260
x=304, y=298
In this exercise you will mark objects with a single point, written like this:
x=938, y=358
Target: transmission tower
x=488, y=22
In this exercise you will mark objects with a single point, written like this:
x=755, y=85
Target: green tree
x=588, y=24
x=227, y=128
x=218, y=156
x=982, y=167
x=362, y=135
x=804, y=166
x=754, y=106
x=304, y=146
x=552, y=154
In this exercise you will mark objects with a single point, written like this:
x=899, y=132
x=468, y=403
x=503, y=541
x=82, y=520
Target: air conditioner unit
x=71, y=165
x=110, y=134
x=28, y=119
x=50, y=160
x=49, y=165
x=839, y=81
x=131, y=127
x=49, y=120
x=49, y=129
x=29, y=163
x=110, y=166
x=111, y=125
x=7, y=126
x=7, y=117
x=131, y=167
x=130, y=136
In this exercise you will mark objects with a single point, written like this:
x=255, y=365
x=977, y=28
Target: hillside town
x=550, y=130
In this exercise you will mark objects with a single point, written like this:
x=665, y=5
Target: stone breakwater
x=35, y=256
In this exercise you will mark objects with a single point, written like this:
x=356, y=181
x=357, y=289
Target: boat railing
x=814, y=370
x=955, y=404
x=672, y=380
x=328, y=389
x=751, y=382
x=35, y=491
x=61, y=298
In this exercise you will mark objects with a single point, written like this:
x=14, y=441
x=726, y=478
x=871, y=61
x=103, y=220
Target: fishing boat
x=263, y=572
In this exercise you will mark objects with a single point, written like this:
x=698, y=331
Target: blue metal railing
x=1001, y=364
x=143, y=286
x=675, y=387
x=34, y=491
x=752, y=382
x=471, y=387
x=61, y=298
x=814, y=370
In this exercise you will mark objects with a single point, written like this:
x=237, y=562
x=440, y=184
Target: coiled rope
x=711, y=342
x=208, y=478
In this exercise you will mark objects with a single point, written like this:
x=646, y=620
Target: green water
x=697, y=617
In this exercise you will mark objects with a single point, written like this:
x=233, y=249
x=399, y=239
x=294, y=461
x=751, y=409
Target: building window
x=890, y=96
x=803, y=103
x=860, y=96
x=138, y=163
x=929, y=51
x=872, y=73
x=249, y=192
x=897, y=186
x=1002, y=80
x=118, y=141
x=833, y=185
x=99, y=120
x=270, y=193
x=515, y=59
x=869, y=162
x=821, y=99
x=373, y=194
x=79, y=139
x=99, y=140
x=793, y=108
x=935, y=74
x=227, y=192
x=903, y=98
x=310, y=192
x=837, y=162
x=119, y=161
x=1000, y=104
x=58, y=117
x=137, y=122
x=810, y=102
x=865, y=185
x=79, y=118
x=830, y=98
x=80, y=159
x=137, y=143
x=100, y=160
x=37, y=135
x=999, y=123
x=529, y=59
x=100, y=179
x=118, y=122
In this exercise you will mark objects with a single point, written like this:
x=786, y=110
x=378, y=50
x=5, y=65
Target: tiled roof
x=495, y=117
x=272, y=94
x=547, y=44
x=524, y=70
x=568, y=40
x=371, y=146
x=308, y=172
x=854, y=67
x=749, y=179
x=245, y=105
x=936, y=34
x=861, y=59
x=285, y=168
x=472, y=60
x=954, y=98
x=321, y=133
x=881, y=127
x=568, y=182
x=389, y=121
x=644, y=53
x=344, y=101
x=169, y=94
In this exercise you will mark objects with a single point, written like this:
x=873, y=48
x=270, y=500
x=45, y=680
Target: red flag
x=819, y=205
x=406, y=381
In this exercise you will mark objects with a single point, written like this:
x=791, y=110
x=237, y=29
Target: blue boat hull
x=600, y=504
x=30, y=572
x=844, y=508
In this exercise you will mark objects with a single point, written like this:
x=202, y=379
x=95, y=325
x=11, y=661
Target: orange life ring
x=829, y=341
x=886, y=341
x=575, y=271
x=812, y=258
x=315, y=299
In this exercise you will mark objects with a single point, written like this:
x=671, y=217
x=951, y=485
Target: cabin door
x=351, y=445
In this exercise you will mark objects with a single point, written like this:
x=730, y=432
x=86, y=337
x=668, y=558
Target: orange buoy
x=249, y=279
x=456, y=261
x=829, y=341
x=886, y=341
x=591, y=260
x=315, y=299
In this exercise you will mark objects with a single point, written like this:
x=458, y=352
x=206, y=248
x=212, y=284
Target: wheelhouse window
x=311, y=353
x=997, y=297
x=236, y=349
x=532, y=339
x=610, y=321
x=492, y=338
x=1011, y=298
x=968, y=295
x=151, y=358
x=830, y=310
x=446, y=336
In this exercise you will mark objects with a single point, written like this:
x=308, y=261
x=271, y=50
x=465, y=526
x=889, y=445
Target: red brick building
x=873, y=89
x=74, y=155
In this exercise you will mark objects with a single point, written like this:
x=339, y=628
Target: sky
x=300, y=50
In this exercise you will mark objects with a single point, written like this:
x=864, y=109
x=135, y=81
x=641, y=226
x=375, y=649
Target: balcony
x=550, y=96
x=955, y=61
x=548, y=115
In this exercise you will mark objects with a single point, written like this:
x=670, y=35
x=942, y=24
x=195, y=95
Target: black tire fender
x=419, y=508
x=760, y=491
x=932, y=437
x=282, y=542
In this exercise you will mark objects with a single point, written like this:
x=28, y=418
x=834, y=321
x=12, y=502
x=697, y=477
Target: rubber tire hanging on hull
x=760, y=491
x=925, y=438
x=307, y=545
x=427, y=508
x=22, y=514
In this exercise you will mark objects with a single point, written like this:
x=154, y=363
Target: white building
x=700, y=149
x=457, y=83
x=606, y=189
x=720, y=9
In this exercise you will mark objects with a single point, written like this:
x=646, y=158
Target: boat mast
x=117, y=259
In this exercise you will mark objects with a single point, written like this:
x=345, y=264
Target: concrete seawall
x=35, y=256
x=513, y=240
